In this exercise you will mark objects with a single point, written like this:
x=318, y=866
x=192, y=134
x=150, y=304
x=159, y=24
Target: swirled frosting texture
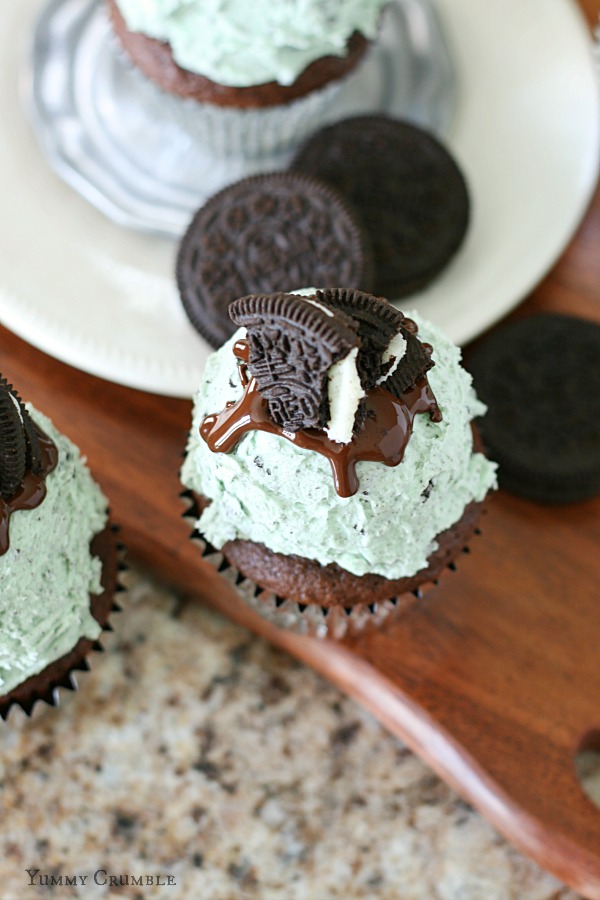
x=237, y=43
x=48, y=573
x=269, y=491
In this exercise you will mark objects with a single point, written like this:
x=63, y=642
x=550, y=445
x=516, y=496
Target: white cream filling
x=16, y=405
x=320, y=306
x=308, y=294
x=305, y=292
x=395, y=350
x=345, y=392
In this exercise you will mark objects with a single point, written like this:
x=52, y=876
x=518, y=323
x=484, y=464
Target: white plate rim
x=456, y=301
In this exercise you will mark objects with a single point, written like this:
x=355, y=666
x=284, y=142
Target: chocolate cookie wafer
x=19, y=445
x=273, y=232
x=408, y=189
x=541, y=382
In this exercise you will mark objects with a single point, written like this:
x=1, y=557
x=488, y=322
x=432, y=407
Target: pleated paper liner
x=46, y=685
x=225, y=132
x=333, y=622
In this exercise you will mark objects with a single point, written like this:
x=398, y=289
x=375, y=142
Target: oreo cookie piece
x=541, y=382
x=415, y=363
x=293, y=343
x=406, y=186
x=391, y=353
x=266, y=233
x=19, y=445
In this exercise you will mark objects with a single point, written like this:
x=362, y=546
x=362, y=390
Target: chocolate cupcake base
x=45, y=685
x=301, y=595
x=248, y=123
x=155, y=59
x=308, y=582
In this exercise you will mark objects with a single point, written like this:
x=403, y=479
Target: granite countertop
x=198, y=762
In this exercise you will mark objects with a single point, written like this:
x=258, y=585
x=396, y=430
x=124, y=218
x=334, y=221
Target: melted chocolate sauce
x=33, y=489
x=383, y=437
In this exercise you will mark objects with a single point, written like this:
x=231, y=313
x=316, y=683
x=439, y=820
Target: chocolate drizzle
x=383, y=437
x=32, y=489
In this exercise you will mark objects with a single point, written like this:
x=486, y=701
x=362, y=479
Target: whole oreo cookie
x=541, y=382
x=266, y=233
x=408, y=189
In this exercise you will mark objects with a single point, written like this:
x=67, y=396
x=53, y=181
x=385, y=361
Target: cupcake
x=332, y=456
x=247, y=80
x=58, y=557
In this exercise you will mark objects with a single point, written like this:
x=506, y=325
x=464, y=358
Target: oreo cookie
x=292, y=345
x=379, y=323
x=267, y=233
x=409, y=191
x=294, y=341
x=19, y=445
x=541, y=382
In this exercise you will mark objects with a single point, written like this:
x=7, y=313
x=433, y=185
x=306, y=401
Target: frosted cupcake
x=58, y=557
x=247, y=79
x=331, y=454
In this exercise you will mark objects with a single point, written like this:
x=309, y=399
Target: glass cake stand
x=105, y=133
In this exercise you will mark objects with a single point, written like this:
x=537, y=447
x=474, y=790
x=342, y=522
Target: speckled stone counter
x=197, y=762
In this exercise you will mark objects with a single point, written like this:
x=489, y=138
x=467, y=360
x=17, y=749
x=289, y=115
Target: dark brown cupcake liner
x=333, y=622
x=45, y=685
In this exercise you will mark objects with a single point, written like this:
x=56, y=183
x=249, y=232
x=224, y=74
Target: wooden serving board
x=494, y=678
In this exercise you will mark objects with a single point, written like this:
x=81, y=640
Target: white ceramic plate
x=526, y=131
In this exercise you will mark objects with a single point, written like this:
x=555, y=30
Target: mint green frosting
x=241, y=43
x=270, y=491
x=48, y=573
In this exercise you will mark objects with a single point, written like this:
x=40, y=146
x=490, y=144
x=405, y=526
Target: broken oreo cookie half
x=407, y=188
x=267, y=233
x=19, y=443
x=293, y=343
x=386, y=335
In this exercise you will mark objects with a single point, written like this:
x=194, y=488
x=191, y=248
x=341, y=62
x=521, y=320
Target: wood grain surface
x=494, y=678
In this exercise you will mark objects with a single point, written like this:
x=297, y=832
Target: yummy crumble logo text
x=101, y=877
